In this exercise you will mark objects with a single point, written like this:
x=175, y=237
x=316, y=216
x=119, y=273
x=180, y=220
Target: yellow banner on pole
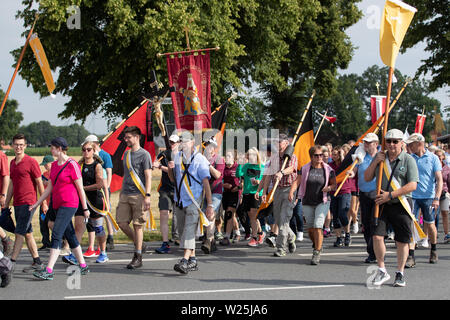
x=397, y=17
x=41, y=58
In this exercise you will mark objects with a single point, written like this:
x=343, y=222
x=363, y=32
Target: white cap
x=90, y=138
x=174, y=138
x=212, y=142
x=371, y=137
x=415, y=137
x=394, y=134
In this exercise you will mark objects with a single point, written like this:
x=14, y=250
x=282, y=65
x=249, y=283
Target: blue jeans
x=429, y=214
x=64, y=227
x=339, y=207
x=296, y=222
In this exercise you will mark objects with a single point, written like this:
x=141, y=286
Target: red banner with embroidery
x=420, y=122
x=190, y=75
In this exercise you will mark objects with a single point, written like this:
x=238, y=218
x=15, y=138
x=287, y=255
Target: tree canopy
x=10, y=119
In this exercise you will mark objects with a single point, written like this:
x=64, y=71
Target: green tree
x=10, y=118
x=106, y=64
x=431, y=25
x=42, y=132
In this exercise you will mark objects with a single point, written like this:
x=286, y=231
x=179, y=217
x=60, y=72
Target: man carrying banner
x=189, y=171
x=134, y=201
x=426, y=196
x=282, y=207
x=399, y=179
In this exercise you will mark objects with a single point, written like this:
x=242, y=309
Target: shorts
x=165, y=200
x=315, y=215
x=428, y=213
x=23, y=219
x=131, y=209
x=444, y=203
x=230, y=200
x=249, y=202
x=95, y=223
x=396, y=216
x=216, y=202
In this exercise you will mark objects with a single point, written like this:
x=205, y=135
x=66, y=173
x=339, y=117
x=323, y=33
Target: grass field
x=120, y=237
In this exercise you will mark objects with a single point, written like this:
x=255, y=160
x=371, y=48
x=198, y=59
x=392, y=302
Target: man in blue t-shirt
x=426, y=196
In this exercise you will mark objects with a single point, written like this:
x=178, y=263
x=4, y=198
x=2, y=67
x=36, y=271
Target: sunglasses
x=318, y=155
x=87, y=149
x=389, y=141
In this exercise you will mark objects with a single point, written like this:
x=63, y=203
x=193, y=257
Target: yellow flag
x=41, y=58
x=397, y=17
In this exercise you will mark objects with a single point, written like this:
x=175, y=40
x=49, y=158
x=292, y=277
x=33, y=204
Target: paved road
x=239, y=272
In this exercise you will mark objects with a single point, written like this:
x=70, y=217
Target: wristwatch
x=435, y=199
x=147, y=195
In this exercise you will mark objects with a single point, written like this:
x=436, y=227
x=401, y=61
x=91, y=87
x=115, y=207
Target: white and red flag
x=377, y=107
x=420, y=122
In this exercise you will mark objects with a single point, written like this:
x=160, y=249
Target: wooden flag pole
x=320, y=126
x=294, y=140
x=383, y=144
x=18, y=64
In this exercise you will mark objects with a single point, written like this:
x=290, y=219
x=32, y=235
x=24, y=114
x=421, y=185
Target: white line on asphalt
x=339, y=254
x=199, y=292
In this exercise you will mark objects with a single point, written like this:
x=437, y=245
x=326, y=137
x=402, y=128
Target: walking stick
x=294, y=140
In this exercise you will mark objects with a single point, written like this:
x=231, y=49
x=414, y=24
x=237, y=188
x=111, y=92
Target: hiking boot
x=192, y=264
x=225, y=242
x=43, y=274
x=182, y=266
x=410, y=262
x=315, y=258
x=347, y=239
x=399, y=280
x=292, y=247
x=433, y=256
x=380, y=278
x=206, y=246
x=279, y=253
x=8, y=246
x=34, y=267
x=338, y=242
x=165, y=248
x=136, y=262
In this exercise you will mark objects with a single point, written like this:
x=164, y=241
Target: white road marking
x=362, y=253
x=199, y=292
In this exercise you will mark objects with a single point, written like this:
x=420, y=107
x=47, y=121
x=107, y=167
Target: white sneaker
x=380, y=278
x=424, y=243
x=300, y=236
x=355, y=228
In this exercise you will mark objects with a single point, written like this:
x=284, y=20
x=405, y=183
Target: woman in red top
x=66, y=182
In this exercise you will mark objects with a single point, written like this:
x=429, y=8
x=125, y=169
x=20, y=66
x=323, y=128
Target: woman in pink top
x=67, y=186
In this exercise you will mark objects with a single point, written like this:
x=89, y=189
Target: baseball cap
x=59, y=142
x=90, y=138
x=212, y=142
x=47, y=159
x=394, y=134
x=186, y=136
x=282, y=137
x=174, y=138
x=371, y=137
x=415, y=137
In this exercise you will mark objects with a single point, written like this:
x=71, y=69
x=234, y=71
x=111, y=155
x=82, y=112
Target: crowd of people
x=261, y=197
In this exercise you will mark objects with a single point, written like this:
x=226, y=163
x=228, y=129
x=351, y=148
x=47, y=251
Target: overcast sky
x=364, y=35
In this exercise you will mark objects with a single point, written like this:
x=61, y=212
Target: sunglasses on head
x=389, y=141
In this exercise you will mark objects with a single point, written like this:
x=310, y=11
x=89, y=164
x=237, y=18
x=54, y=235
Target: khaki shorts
x=131, y=209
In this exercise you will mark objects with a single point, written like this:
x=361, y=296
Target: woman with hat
x=66, y=182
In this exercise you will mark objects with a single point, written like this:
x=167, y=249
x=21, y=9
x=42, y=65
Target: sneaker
x=225, y=242
x=165, y=248
x=136, y=262
x=44, y=248
x=261, y=238
x=399, y=280
x=347, y=239
x=447, y=238
x=271, y=240
x=90, y=253
x=206, y=246
x=236, y=238
x=370, y=260
x=34, y=267
x=424, y=243
x=391, y=235
x=43, y=274
x=338, y=242
x=176, y=242
x=65, y=252
x=326, y=233
x=380, y=278
x=253, y=242
x=218, y=236
x=248, y=236
x=109, y=243
x=299, y=236
x=102, y=258
x=70, y=259
x=84, y=270
x=192, y=264
x=410, y=262
x=292, y=247
x=6, y=279
x=213, y=246
x=355, y=228
x=279, y=253
x=433, y=256
x=8, y=246
x=182, y=266
x=315, y=260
